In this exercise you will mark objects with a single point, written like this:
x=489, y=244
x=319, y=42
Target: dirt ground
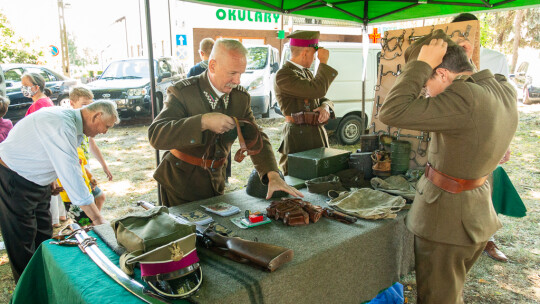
x=132, y=161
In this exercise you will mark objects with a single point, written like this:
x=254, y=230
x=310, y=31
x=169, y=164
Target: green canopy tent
x=362, y=11
x=373, y=11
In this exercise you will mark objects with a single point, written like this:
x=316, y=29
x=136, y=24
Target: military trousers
x=25, y=218
x=441, y=270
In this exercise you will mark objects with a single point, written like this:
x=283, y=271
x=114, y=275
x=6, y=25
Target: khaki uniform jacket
x=178, y=126
x=472, y=124
x=293, y=86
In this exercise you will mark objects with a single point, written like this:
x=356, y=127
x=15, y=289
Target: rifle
x=338, y=216
x=269, y=257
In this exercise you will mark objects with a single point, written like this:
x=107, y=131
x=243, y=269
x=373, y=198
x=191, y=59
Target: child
x=80, y=97
x=5, y=124
x=74, y=211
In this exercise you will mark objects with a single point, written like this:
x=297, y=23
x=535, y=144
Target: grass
x=132, y=162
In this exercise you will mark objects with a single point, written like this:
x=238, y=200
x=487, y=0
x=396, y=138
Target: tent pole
x=152, y=76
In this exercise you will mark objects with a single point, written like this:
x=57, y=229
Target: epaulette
x=241, y=89
x=186, y=82
x=464, y=78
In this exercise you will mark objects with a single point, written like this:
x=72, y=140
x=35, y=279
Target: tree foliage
x=497, y=29
x=15, y=49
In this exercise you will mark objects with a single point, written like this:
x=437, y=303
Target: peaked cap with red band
x=305, y=38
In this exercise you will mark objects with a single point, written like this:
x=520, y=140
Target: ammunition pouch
x=304, y=118
x=294, y=212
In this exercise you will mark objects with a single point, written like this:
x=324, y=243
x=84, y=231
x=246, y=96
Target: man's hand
x=323, y=55
x=217, y=123
x=55, y=189
x=99, y=221
x=506, y=157
x=467, y=46
x=324, y=113
x=275, y=183
x=433, y=53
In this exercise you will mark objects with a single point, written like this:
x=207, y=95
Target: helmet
x=255, y=187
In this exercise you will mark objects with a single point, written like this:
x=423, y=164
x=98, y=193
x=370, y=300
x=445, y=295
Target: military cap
x=411, y=53
x=305, y=39
x=172, y=270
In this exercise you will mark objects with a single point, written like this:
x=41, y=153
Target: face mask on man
x=27, y=91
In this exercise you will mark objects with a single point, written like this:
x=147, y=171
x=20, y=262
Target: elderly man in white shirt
x=41, y=148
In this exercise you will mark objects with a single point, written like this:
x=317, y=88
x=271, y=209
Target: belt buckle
x=212, y=165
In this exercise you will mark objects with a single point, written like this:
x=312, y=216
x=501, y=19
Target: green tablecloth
x=58, y=274
x=333, y=262
x=505, y=198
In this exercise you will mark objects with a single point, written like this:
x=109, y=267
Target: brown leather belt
x=452, y=184
x=289, y=119
x=250, y=147
x=204, y=163
x=3, y=163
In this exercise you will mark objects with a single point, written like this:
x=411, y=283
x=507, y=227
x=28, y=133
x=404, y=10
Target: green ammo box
x=317, y=162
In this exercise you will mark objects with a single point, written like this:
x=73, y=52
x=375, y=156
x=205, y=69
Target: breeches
x=441, y=270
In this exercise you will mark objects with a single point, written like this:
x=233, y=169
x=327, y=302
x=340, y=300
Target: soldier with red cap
x=301, y=94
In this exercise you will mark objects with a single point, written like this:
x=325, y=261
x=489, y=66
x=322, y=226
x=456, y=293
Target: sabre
x=89, y=246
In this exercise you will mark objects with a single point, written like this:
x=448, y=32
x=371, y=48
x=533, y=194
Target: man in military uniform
x=472, y=118
x=297, y=90
x=194, y=126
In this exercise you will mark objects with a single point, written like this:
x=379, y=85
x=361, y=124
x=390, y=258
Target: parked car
x=262, y=65
x=527, y=78
x=2, y=83
x=127, y=82
x=59, y=85
x=346, y=89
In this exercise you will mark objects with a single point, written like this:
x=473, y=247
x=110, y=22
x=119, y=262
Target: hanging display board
x=394, y=44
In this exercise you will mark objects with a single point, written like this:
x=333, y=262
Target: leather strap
x=251, y=147
x=289, y=119
x=452, y=184
x=3, y=163
x=204, y=163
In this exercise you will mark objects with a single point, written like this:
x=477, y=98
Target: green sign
x=247, y=16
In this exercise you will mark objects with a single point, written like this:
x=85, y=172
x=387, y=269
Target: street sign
x=54, y=50
x=181, y=40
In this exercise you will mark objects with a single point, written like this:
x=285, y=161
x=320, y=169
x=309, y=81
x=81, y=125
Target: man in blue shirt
x=41, y=148
x=205, y=49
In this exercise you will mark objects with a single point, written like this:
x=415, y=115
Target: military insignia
x=241, y=88
x=186, y=82
x=226, y=101
x=211, y=100
x=176, y=252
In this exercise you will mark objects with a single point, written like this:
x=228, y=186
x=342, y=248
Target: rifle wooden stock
x=267, y=256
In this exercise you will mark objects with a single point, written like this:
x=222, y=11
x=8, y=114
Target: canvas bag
x=147, y=230
x=368, y=204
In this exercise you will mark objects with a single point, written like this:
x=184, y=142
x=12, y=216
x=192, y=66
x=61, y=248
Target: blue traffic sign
x=181, y=40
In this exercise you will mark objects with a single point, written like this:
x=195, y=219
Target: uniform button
x=192, y=141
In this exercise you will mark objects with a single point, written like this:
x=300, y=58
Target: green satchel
x=141, y=232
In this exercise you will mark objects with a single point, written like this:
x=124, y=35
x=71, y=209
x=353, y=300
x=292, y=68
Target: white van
x=262, y=65
x=346, y=90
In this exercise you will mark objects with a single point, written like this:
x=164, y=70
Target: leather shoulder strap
x=251, y=147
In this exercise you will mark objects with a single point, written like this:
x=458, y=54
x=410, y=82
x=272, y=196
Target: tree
x=507, y=31
x=15, y=49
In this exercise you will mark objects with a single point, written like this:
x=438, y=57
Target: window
x=39, y=71
x=13, y=75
